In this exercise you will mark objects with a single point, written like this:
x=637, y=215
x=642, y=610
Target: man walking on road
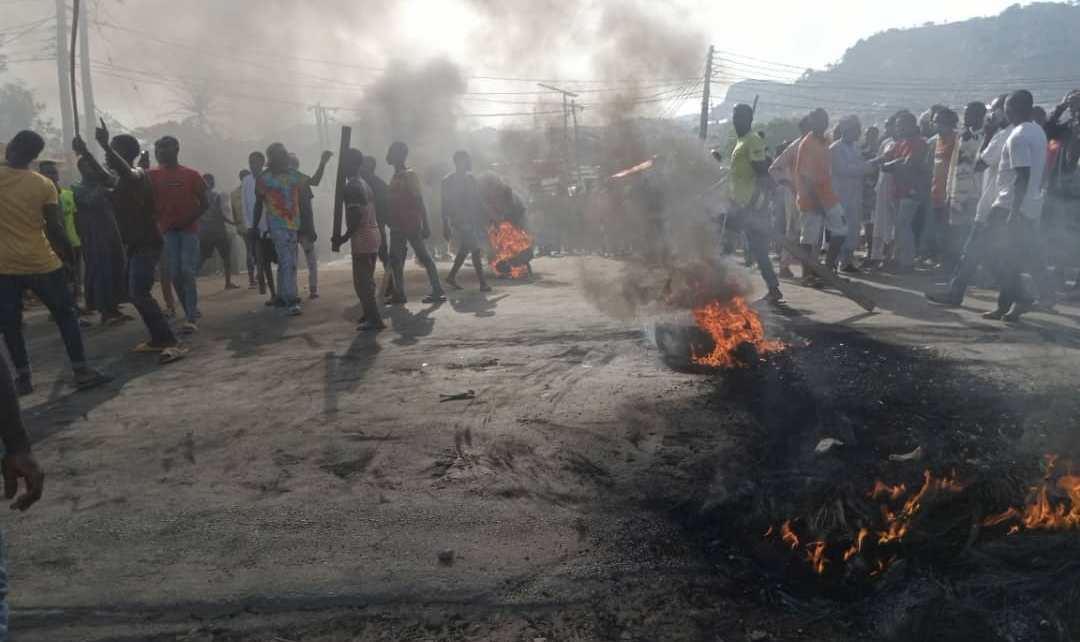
x=409, y=225
x=133, y=204
x=214, y=231
x=819, y=206
x=746, y=191
x=29, y=220
x=463, y=219
x=306, y=234
x=1019, y=205
x=259, y=247
x=180, y=196
x=279, y=191
x=236, y=206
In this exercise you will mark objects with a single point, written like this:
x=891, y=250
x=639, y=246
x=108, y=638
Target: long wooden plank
x=339, y=190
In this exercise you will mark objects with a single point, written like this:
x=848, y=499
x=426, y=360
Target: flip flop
x=171, y=355
x=146, y=348
x=98, y=380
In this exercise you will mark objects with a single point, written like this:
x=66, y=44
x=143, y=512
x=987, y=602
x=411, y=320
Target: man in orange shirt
x=820, y=207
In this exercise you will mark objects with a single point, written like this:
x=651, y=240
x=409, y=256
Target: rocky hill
x=1032, y=47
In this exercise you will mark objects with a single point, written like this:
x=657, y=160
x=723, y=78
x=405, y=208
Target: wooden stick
x=336, y=241
x=74, y=42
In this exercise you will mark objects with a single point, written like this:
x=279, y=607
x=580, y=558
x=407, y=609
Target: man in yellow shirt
x=747, y=185
x=29, y=208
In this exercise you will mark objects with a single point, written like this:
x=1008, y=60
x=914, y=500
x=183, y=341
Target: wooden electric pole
x=566, y=96
x=89, y=109
x=704, y=128
x=63, y=74
x=577, y=145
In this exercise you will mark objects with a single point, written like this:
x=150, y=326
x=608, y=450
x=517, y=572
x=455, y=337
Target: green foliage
x=19, y=109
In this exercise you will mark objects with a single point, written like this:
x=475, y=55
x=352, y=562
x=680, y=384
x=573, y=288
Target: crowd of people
x=993, y=188
x=104, y=241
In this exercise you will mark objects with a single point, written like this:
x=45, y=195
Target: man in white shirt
x=1019, y=204
x=978, y=243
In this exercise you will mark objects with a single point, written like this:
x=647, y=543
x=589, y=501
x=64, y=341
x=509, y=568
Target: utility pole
x=567, y=108
x=63, y=74
x=704, y=127
x=577, y=145
x=319, y=123
x=84, y=67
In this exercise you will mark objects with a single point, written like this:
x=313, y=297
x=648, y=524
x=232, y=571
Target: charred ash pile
x=883, y=489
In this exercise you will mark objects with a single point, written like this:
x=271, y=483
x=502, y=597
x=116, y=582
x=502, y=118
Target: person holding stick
x=136, y=220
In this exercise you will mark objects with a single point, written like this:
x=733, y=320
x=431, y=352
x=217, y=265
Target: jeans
x=311, y=255
x=141, y=269
x=182, y=257
x=759, y=251
x=52, y=289
x=3, y=589
x=285, y=245
x=905, y=231
x=1013, y=243
x=399, y=242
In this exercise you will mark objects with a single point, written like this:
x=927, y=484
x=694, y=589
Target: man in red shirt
x=409, y=225
x=180, y=198
x=906, y=161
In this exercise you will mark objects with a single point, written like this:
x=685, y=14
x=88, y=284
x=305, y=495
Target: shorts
x=814, y=225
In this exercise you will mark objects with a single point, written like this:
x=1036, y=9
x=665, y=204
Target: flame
x=1041, y=512
x=899, y=524
x=882, y=565
x=507, y=242
x=730, y=325
x=882, y=489
x=1054, y=505
x=789, y=536
x=856, y=548
x=815, y=554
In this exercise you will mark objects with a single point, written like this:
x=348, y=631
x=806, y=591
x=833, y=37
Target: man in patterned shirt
x=278, y=191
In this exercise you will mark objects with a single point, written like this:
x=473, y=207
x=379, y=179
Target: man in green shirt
x=747, y=184
x=48, y=169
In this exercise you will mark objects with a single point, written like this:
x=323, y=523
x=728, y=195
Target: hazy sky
x=607, y=40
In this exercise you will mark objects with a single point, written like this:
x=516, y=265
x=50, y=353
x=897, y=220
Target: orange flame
x=884, y=490
x=856, y=548
x=815, y=554
x=789, y=536
x=730, y=325
x=1041, y=512
x=898, y=525
x=508, y=241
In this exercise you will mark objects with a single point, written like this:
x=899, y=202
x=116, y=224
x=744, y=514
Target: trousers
x=142, y=267
x=52, y=289
x=182, y=257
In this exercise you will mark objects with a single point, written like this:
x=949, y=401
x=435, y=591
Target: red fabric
x=907, y=181
x=177, y=192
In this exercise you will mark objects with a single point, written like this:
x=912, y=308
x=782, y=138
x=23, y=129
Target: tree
x=19, y=109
